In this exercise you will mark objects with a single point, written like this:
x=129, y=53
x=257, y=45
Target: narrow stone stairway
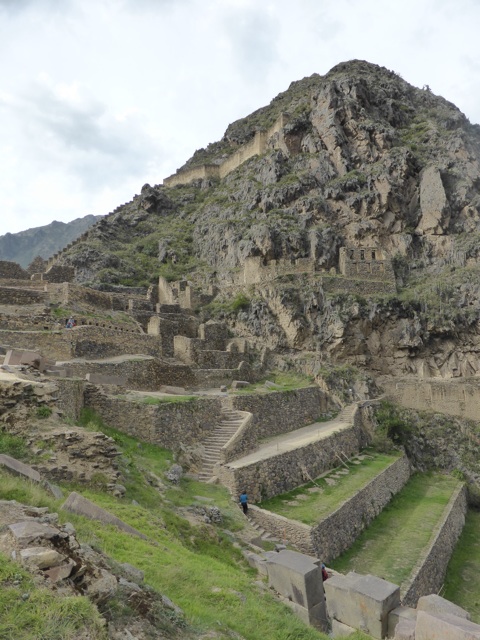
x=227, y=426
x=260, y=533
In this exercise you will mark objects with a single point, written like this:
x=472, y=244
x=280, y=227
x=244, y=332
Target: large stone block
x=19, y=468
x=28, y=358
x=444, y=627
x=362, y=602
x=397, y=614
x=27, y=531
x=405, y=630
x=75, y=503
x=41, y=557
x=98, y=378
x=436, y=604
x=315, y=617
x=296, y=577
x=341, y=630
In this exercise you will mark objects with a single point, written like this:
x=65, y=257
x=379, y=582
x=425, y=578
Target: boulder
x=27, y=531
x=41, y=557
x=75, y=503
x=57, y=574
x=19, y=468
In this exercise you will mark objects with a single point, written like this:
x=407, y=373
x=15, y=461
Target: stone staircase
x=227, y=426
x=260, y=533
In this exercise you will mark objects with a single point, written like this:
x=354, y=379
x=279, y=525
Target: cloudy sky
x=98, y=97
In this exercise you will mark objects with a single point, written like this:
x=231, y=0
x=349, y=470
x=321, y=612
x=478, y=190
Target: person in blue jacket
x=244, y=502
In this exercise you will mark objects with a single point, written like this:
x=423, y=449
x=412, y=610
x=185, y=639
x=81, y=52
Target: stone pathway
x=298, y=438
x=227, y=426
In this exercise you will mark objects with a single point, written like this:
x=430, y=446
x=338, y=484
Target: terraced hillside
x=393, y=543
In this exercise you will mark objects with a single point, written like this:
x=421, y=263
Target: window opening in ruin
x=373, y=255
x=362, y=255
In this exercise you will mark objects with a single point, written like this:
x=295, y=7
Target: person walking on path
x=244, y=502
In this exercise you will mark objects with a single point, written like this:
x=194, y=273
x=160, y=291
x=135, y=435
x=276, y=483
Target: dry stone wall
x=429, y=575
x=12, y=270
x=166, y=424
x=70, y=397
x=144, y=374
x=17, y=296
x=358, y=286
x=282, y=473
x=295, y=533
x=81, y=342
x=338, y=532
x=256, y=146
x=279, y=412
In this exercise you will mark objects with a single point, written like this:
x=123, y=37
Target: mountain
x=44, y=241
x=356, y=158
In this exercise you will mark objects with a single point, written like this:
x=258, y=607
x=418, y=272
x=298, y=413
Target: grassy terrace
x=314, y=501
x=391, y=545
x=462, y=583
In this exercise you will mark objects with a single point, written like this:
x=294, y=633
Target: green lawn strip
x=392, y=544
x=314, y=506
x=462, y=582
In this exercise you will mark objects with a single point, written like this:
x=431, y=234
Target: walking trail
x=298, y=438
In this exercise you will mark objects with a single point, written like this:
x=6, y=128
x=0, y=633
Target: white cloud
x=100, y=96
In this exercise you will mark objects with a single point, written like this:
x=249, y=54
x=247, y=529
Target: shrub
x=44, y=412
x=13, y=446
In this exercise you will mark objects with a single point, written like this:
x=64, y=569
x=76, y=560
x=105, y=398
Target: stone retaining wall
x=242, y=442
x=359, y=286
x=12, y=270
x=290, y=531
x=286, y=471
x=338, y=531
x=166, y=424
x=219, y=359
x=70, y=397
x=279, y=412
x=429, y=574
x=145, y=374
x=14, y=295
x=335, y=534
x=81, y=342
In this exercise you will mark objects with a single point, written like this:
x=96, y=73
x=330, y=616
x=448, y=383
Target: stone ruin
x=347, y=603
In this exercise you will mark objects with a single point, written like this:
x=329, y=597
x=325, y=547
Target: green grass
x=314, y=506
x=286, y=381
x=196, y=566
x=462, y=583
x=13, y=446
x=391, y=545
x=33, y=613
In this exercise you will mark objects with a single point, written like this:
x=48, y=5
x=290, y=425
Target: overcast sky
x=98, y=97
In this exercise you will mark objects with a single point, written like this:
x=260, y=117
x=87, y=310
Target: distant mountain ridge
x=44, y=241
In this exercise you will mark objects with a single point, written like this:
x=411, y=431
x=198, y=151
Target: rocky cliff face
x=365, y=160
